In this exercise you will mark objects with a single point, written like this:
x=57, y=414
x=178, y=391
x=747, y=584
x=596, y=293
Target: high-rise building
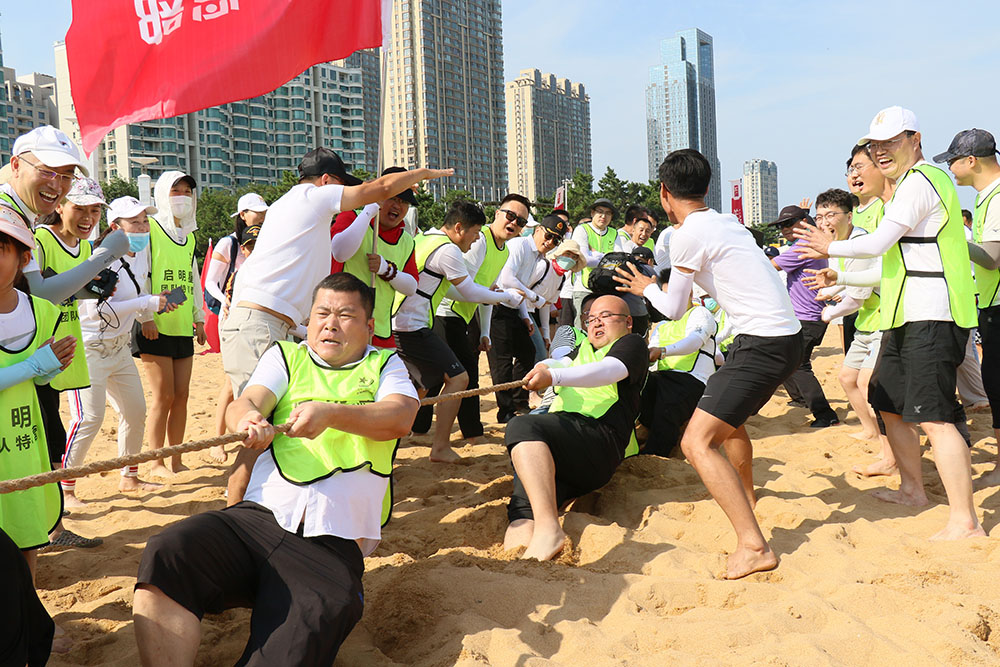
x=680, y=104
x=239, y=143
x=6, y=135
x=368, y=62
x=760, y=192
x=444, y=94
x=548, y=132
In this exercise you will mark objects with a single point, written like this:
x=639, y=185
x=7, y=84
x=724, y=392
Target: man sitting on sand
x=293, y=549
x=578, y=445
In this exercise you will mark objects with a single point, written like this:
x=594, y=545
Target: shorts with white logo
x=916, y=371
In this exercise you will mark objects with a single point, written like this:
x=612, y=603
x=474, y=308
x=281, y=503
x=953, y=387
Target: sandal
x=68, y=538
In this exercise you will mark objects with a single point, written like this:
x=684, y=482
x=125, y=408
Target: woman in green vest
x=165, y=343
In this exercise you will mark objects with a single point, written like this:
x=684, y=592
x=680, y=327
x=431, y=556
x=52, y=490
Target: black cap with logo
x=321, y=161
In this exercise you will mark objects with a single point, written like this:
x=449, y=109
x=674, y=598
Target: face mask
x=181, y=206
x=565, y=263
x=711, y=304
x=137, y=241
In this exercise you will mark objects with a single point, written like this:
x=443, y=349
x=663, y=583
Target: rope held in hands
x=196, y=445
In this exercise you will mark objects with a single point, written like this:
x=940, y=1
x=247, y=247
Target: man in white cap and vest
x=928, y=307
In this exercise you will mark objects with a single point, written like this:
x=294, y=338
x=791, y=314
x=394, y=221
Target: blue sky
x=796, y=82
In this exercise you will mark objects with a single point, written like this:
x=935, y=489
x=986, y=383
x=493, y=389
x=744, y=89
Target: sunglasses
x=514, y=217
x=553, y=238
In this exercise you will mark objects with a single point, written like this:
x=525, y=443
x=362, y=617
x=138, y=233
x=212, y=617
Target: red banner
x=737, y=200
x=133, y=60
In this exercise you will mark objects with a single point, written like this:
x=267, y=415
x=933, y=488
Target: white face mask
x=565, y=263
x=181, y=206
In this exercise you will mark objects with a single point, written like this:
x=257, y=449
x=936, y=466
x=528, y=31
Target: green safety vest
x=398, y=253
x=869, y=218
x=57, y=258
x=987, y=280
x=671, y=331
x=954, y=252
x=170, y=266
x=424, y=247
x=588, y=401
x=27, y=516
x=9, y=202
x=302, y=461
x=869, y=316
x=602, y=244
x=487, y=274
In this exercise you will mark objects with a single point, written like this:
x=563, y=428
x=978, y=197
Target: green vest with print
x=27, y=516
x=869, y=218
x=302, y=461
x=600, y=244
x=987, y=280
x=424, y=247
x=952, y=248
x=398, y=253
x=57, y=258
x=720, y=320
x=869, y=317
x=487, y=274
x=669, y=332
x=170, y=266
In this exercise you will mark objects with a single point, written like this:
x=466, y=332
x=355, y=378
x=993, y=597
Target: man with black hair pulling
x=720, y=255
x=318, y=496
x=578, y=445
x=442, y=271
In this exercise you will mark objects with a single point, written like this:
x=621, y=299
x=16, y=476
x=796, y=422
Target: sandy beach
x=858, y=583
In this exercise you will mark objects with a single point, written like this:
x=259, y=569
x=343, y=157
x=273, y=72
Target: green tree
x=616, y=190
x=214, y=210
x=580, y=196
x=119, y=187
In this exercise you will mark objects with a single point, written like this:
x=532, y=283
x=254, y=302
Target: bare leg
x=177, y=421
x=886, y=465
x=518, y=534
x=160, y=371
x=702, y=438
x=218, y=454
x=537, y=471
x=905, y=444
x=447, y=411
x=991, y=478
x=739, y=451
x=850, y=380
x=167, y=634
x=239, y=474
x=953, y=461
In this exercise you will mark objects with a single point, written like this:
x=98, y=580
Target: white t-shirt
x=18, y=326
x=447, y=261
x=516, y=273
x=916, y=205
x=292, y=253
x=661, y=249
x=624, y=244
x=703, y=324
x=473, y=260
x=124, y=305
x=347, y=504
x=728, y=264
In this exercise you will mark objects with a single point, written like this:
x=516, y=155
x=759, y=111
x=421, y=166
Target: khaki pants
x=244, y=337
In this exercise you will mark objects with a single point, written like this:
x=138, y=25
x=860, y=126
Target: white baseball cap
x=51, y=146
x=887, y=123
x=251, y=201
x=127, y=207
x=13, y=226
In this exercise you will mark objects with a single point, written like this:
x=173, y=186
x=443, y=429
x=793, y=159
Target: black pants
x=55, y=432
x=511, y=357
x=803, y=384
x=463, y=339
x=849, y=329
x=989, y=330
x=26, y=635
x=567, y=311
x=668, y=401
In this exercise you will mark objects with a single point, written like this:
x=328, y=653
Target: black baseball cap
x=642, y=252
x=974, y=142
x=607, y=204
x=321, y=161
x=406, y=195
x=554, y=223
x=790, y=215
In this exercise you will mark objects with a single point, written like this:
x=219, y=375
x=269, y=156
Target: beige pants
x=244, y=337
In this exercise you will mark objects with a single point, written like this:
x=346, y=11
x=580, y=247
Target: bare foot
x=876, y=469
x=160, y=470
x=957, y=532
x=746, y=561
x=136, y=484
x=991, y=478
x=518, y=534
x=178, y=467
x=217, y=454
x=545, y=545
x=900, y=498
x=70, y=500
x=863, y=435
x=445, y=455
x=474, y=440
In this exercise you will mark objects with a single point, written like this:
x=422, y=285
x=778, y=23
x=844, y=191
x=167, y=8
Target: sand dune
x=859, y=583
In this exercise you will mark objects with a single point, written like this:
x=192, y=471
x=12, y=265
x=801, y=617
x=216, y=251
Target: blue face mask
x=711, y=304
x=565, y=263
x=137, y=241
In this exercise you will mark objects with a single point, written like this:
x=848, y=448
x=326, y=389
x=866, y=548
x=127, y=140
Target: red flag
x=211, y=319
x=560, y=198
x=737, y=200
x=133, y=60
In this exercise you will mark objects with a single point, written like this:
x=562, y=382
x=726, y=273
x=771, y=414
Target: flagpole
x=383, y=51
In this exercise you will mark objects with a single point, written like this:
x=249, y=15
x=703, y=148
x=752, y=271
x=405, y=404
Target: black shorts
x=305, y=592
x=175, y=347
x=916, y=371
x=755, y=367
x=427, y=357
x=585, y=451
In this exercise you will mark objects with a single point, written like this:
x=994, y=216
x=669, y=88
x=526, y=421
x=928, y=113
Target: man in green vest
x=596, y=239
x=972, y=158
x=441, y=268
x=316, y=502
x=927, y=309
x=576, y=447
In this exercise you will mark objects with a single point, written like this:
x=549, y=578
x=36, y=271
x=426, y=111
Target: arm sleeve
x=868, y=278
x=198, y=303
x=544, y=315
x=874, y=244
x=217, y=269
x=846, y=306
x=580, y=236
x=485, y=319
x=60, y=287
x=42, y=363
x=346, y=243
x=404, y=283
x=126, y=308
x=661, y=249
x=608, y=370
x=469, y=290
x=676, y=300
x=690, y=343
x=986, y=255
x=522, y=311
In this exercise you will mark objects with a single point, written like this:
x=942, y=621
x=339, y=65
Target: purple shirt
x=804, y=302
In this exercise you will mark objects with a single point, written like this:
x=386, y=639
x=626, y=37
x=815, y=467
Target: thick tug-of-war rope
x=152, y=454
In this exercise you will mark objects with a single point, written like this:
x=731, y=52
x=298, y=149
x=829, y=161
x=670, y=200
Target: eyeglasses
x=514, y=217
x=829, y=216
x=49, y=175
x=601, y=211
x=888, y=146
x=856, y=168
x=787, y=223
x=602, y=317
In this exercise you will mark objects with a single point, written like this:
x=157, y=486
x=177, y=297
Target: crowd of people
x=335, y=320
